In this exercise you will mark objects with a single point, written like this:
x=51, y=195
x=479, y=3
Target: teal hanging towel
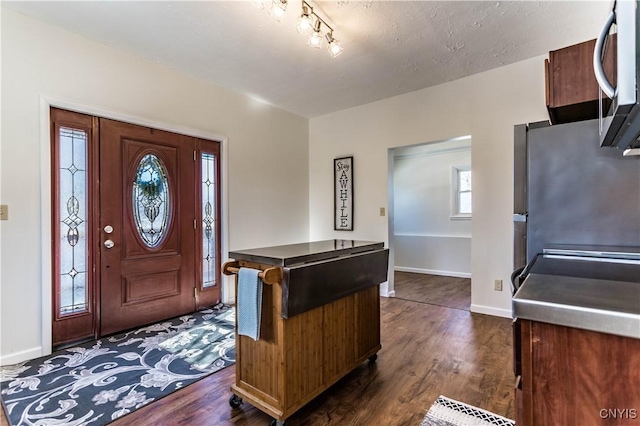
x=249, y=302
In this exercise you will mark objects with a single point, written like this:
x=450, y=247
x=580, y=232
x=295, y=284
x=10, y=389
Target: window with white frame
x=461, y=192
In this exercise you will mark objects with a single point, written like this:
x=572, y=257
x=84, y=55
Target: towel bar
x=268, y=276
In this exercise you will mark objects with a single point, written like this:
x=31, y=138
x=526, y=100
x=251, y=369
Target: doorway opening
x=430, y=213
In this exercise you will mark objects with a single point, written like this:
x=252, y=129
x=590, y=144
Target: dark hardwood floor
x=450, y=292
x=427, y=351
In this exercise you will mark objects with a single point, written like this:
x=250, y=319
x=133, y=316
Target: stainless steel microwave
x=620, y=124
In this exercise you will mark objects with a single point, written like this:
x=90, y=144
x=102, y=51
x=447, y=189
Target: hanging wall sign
x=343, y=193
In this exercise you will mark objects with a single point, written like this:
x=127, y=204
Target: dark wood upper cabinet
x=571, y=87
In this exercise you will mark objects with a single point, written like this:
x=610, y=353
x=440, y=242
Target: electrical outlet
x=497, y=285
x=4, y=212
x=382, y=211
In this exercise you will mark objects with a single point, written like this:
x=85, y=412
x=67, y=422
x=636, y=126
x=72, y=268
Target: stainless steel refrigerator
x=568, y=191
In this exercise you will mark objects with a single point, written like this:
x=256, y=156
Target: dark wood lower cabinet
x=569, y=376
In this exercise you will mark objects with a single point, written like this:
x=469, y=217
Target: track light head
x=278, y=7
x=305, y=21
x=333, y=46
x=315, y=40
x=258, y=3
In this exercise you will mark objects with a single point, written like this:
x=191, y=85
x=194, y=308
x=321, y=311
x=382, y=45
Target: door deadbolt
x=108, y=229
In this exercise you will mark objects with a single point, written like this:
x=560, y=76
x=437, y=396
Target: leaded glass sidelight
x=151, y=200
x=72, y=227
x=209, y=209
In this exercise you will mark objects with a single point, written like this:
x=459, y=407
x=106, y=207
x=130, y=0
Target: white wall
x=485, y=106
x=426, y=238
x=422, y=186
x=449, y=256
x=266, y=149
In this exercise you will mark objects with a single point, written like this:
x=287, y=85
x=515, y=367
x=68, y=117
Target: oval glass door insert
x=151, y=200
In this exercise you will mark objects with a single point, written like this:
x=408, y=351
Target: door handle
x=108, y=244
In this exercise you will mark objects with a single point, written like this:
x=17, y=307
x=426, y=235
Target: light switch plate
x=382, y=211
x=4, y=212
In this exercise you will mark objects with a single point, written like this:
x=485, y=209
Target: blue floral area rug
x=98, y=382
x=449, y=412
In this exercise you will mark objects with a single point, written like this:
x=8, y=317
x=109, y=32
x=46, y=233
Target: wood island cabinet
x=571, y=87
x=296, y=359
x=569, y=376
x=320, y=319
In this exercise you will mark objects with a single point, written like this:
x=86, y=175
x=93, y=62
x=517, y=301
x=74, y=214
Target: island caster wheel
x=373, y=358
x=275, y=422
x=235, y=401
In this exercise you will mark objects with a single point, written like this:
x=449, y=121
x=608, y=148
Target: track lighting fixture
x=313, y=26
x=309, y=23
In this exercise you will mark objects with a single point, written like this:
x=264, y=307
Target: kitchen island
x=320, y=319
x=577, y=342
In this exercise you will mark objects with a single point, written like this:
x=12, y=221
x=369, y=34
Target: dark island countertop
x=293, y=254
x=320, y=272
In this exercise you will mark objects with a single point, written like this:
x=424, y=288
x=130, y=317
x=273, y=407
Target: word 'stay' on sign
x=343, y=193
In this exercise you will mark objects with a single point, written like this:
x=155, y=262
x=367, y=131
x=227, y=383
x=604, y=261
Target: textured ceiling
x=391, y=47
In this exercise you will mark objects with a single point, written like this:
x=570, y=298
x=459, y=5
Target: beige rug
x=449, y=412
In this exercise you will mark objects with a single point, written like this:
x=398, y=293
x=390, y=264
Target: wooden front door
x=136, y=225
x=147, y=199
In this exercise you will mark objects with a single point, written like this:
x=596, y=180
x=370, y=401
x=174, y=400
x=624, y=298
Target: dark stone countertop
x=292, y=254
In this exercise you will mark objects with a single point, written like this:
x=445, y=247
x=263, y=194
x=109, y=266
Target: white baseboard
x=21, y=356
x=488, y=310
x=433, y=272
x=384, y=290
